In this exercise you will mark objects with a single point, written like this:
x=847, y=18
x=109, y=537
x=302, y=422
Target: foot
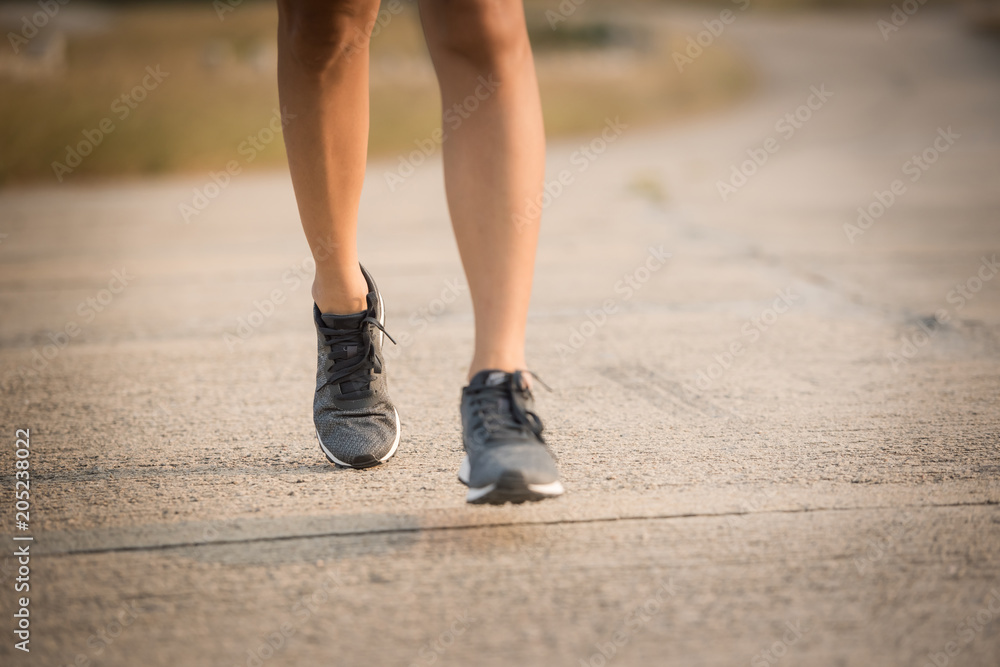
x=506, y=458
x=356, y=422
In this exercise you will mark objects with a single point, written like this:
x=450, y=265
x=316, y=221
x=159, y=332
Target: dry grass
x=221, y=88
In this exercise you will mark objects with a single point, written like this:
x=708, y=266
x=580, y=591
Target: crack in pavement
x=492, y=524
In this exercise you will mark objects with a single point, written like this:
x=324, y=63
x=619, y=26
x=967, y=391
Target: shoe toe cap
x=358, y=440
x=531, y=463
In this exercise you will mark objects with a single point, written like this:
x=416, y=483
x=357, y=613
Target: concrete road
x=780, y=444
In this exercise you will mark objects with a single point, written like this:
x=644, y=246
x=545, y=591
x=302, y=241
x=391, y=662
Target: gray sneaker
x=356, y=422
x=505, y=456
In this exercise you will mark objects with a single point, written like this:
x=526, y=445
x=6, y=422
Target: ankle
x=340, y=294
x=497, y=362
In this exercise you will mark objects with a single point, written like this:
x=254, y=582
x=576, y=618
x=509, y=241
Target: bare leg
x=494, y=162
x=323, y=86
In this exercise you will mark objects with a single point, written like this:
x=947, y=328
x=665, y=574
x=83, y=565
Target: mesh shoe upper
x=502, y=434
x=355, y=419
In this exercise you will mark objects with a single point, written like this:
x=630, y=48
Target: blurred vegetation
x=221, y=87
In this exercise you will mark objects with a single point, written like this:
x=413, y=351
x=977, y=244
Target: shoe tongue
x=352, y=321
x=344, y=351
x=488, y=378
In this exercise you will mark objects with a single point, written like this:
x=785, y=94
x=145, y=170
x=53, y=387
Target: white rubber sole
x=527, y=492
x=392, y=450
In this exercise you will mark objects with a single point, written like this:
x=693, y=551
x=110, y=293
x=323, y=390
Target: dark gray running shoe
x=505, y=456
x=356, y=422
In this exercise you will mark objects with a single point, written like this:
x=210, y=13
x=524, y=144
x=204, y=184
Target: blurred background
x=67, y=64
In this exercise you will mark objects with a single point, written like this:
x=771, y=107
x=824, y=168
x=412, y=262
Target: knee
x=318, y=34
x=488, y=34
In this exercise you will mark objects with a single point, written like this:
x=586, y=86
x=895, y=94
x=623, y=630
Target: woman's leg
x=323, y=87
x=494, y=162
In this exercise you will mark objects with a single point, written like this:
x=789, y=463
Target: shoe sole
x=510, y=488
x=371, y=461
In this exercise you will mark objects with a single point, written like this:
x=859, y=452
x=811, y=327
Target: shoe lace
x=347, y=367
x=503, y=407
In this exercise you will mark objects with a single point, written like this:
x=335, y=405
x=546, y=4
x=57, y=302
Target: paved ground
x=810, y=497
